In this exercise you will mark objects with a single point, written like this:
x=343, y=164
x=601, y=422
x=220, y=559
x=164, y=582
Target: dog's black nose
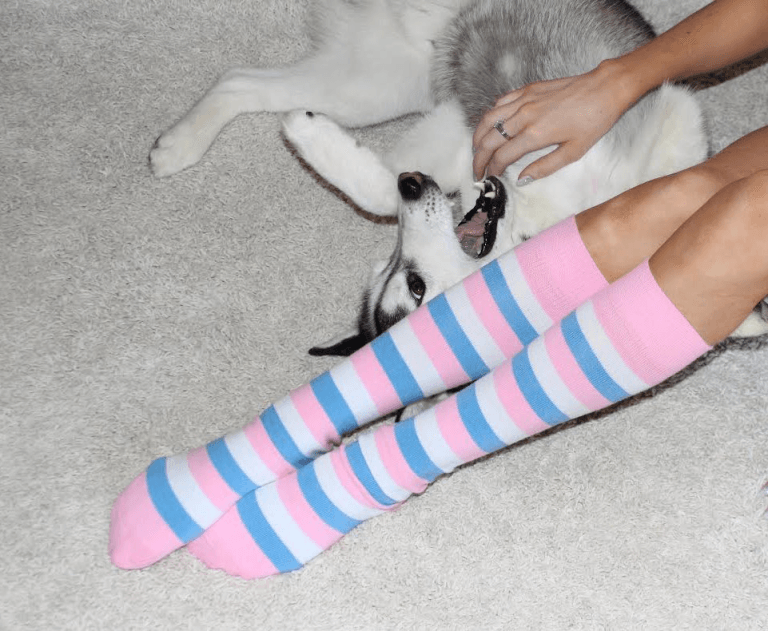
x=411, y=185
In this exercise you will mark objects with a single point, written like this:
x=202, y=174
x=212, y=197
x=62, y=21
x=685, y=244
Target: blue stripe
x=455, y=337
x=264, y=536
x=533, y=392
x=321, y=504
x=281, y=439
x=334, y=404
x=397, y=370
x=364, y=475
x=506, y=302
x=588, y=362
x=474, y=421
x=228, y=468
x=168, y=505
x=410, y=446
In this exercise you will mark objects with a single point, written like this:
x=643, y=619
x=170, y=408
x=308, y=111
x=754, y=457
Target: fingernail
x=525, y=181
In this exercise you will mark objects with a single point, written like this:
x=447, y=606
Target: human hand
x=572, y=113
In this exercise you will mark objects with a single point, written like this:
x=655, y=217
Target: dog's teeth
x=480, y=186
x=490, y=195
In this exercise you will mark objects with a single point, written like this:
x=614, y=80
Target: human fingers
x=500, y=111
x=509, y=97
x=509, y=153
x=484, y=150
x=564, y=155
x=488, y=138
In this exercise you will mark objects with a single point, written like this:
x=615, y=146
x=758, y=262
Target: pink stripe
x=570, y=372
x=653, y=338
x=209, y=480
x=395, y=463
x=138, y=535
x=375, y=380
x=228, y=546
x=265, y=450
x=453, y=431
x=488, y=311
x=515, y=404
x=559, y=269
x=314, y=416
x=297, y=506
x=350, y=482
x=443, y=359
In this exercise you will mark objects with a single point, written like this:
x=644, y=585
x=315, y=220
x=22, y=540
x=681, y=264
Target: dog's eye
x=416, y=286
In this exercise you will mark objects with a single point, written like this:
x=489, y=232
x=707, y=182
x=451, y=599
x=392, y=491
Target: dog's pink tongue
x=470, y=234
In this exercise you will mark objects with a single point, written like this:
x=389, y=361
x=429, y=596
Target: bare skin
x=575, y=112
x=627, y=229
x=698, y=228
x=711, y=267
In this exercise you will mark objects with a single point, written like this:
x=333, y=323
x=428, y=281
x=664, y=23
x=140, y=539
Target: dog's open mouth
x=477, y=231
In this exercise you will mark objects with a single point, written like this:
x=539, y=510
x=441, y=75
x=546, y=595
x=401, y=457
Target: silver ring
x=499, y=127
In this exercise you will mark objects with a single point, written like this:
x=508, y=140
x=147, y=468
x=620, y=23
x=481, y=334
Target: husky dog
x=446, y=60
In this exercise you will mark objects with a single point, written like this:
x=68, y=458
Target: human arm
x=575, y=112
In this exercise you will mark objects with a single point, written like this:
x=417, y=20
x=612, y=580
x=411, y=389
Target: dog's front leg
x=355, y=170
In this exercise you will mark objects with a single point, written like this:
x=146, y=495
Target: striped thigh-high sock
x=455, y=338
x=627, y=338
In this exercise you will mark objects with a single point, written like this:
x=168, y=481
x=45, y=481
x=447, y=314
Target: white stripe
x=297, y=428
x=334, y=489
x=495, y=413
x=526, y=300
x=470, y=323
x=190, y=495
x=285, y=527
x=549, y=380
x=247, y=459
x=367, y=442
x=606, y=354
x=431, y=439
x=411, y=350
x=353, y=391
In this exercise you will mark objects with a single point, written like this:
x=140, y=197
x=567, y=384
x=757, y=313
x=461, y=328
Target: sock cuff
x=559, y=268
x=650, y=333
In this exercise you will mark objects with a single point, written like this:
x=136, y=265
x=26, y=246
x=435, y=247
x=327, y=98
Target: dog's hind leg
x=367, y=72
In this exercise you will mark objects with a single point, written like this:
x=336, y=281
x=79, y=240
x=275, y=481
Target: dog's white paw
x=177, y=149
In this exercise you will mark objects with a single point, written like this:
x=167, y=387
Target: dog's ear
x=342, y=345
x=355, y=337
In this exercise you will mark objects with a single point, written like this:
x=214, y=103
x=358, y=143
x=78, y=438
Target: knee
x=699, y=182
x=756, y=190
x=749, y=205
x=744, y=220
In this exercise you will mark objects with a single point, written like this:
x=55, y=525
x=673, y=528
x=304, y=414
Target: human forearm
x=575, y=112
x=716, y=36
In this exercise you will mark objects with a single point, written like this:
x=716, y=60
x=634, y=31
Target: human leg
x=630, y=227
x=630, y=336
x=457, y=337
x=627, y=338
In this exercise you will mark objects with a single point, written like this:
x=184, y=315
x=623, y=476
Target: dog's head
x=431, y=255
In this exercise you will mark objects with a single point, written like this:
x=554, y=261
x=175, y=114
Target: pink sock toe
x=138, y=535
x=228, y=546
